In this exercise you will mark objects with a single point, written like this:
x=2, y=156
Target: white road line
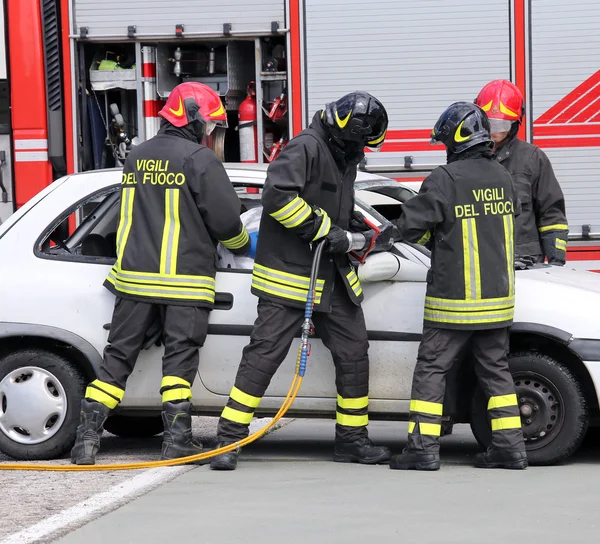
x=107, y=500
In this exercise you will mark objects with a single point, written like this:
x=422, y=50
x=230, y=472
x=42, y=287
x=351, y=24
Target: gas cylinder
x=247, y=126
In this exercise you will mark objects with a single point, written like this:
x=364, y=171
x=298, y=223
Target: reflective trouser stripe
x=509, y=247
x=324, y=228
x=353, y=404
x=471, y=259
x=561, y=244
x=237, y=416
x=431, y=429
x=505, y=423
x=104, y=393
x=237, y=241
x=425, y=407
x=126, y=218
x=558, y=226
x=170, y=240
x=169, y=381
x=502, y=401
x=351, y=421
x=243, y=398
x=181, y=393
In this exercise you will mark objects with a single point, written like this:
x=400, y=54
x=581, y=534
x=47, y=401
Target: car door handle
x=106, y=326
x=223, y=301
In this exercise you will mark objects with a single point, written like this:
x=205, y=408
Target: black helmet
x=462, y=126
x=357, y=117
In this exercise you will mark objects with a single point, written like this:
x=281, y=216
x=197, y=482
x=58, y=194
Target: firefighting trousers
x=342, y=331
x=438, y=351
x=184, y=332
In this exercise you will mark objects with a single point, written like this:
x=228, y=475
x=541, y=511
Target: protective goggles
x=500, y=125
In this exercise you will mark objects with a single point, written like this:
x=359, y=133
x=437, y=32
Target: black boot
x=410, y=460
x=501, y=459
x=225, y=461
x=87, y=442
x=177, y=438
x=361, y=451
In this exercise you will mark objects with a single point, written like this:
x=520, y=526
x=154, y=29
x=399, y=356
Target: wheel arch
x=16, y=336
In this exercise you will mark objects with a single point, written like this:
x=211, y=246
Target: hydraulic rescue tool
x=303, y=354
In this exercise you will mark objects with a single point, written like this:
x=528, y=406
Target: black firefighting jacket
x=176, y=203
x=465, y=210
x=305, y=192
x=541, y=228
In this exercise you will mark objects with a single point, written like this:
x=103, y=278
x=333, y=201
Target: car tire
x=134, y=427
x=36, y=373
x=553, y=409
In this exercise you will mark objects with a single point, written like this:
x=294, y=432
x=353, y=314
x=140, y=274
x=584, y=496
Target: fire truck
x=81, y=81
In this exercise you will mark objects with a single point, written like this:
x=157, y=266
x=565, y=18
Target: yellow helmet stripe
x=342, y=122
x=220, y=111
x=488, y=106
x=506, y=111
x=377, y=140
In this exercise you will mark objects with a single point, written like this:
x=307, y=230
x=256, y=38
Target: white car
x=55, y=315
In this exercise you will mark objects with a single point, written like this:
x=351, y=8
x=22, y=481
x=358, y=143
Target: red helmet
x=503, y=103
x=193, y=101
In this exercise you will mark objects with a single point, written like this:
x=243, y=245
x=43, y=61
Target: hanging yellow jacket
x=177, y=202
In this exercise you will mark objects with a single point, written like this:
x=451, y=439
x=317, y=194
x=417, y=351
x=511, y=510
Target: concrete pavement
x=286, y=489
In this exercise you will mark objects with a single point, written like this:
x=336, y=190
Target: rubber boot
x=362, y=451
x=501, y=459
x=410, y=460
x=225, y=461
x=87, y=441
x=177, y=437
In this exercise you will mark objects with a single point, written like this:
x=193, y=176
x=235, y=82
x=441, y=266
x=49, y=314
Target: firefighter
x=541, y=229
x=308, y=197
x=465, y=210
x=177, y=202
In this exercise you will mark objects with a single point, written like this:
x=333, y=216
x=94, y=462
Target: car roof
x=257, y=172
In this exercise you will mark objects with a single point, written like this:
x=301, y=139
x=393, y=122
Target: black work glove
x=357, y=222
x=554, y=245
x=342, y=241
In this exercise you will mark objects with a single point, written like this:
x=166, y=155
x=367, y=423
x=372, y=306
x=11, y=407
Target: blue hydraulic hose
x=308, y=311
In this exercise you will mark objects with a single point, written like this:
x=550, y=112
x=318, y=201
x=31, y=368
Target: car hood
x=559, y=297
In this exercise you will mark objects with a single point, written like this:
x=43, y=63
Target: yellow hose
x=289, y=399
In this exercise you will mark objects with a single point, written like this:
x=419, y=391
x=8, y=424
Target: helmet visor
x=500, y=125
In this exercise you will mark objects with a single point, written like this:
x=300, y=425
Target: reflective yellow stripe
x=471, y=259
x=425, y=407
x=127, y=197
x=169, y=381
x=298, y=218
x=465, y=317
x=509, y=246
x=111, y=389
x=177, y=280
x=354, y=282
x=352, y=404
x=411, y=426
x=285, y=277
x=293, y=213
x=291, y=207
x=237, y=241
x=377, y=140
x=155, y=291
x=468, y=306
x=236, y=415
x=170, y=240
x=506, y=423
x=180, y=393
x=279, y=290
x=425, y=238
x=558, y=226
x=431, y=429
x=324, y=228
x=502, y=401
x=561, y=244
x=243, y=398
x=351, y=421
x=101, y=397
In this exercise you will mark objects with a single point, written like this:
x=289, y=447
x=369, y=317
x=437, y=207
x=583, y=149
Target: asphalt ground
x=286, y=489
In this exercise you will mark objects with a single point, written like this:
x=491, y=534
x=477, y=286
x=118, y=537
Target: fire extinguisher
x=247, y=126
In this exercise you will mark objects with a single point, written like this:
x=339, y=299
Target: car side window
x=86, y=232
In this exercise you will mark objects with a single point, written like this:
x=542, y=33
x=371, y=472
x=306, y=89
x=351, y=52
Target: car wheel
x=134, y=427
x=552, y=404
x=40, y=396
